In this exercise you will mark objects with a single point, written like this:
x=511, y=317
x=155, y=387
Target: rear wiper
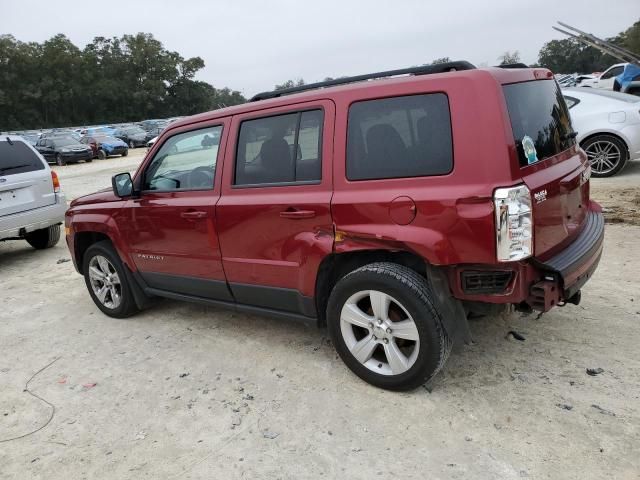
x=4, y=169
x=569, y=135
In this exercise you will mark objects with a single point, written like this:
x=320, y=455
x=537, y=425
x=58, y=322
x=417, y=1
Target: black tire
x=125, y=153
x=127, y=305
x=61, y=162
x=590, y=146
x=89, y=160
x=101, y=154
x=413, y=292
x=44, y=238
x=131, y=144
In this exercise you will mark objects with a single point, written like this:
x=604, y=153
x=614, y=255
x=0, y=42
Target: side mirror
x=122, y=185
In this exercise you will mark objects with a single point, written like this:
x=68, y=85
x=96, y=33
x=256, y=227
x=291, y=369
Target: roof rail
x=513, y=65
x=423, y=70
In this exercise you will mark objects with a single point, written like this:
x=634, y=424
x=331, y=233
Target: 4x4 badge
x=529, y=148
x=540, y=196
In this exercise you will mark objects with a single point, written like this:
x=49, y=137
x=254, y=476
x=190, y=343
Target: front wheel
x=107, y=282
x=131, y=144
x=384, y=325
x=125, y=153
x=607, y=155
x=101, y=154
x=61, y=162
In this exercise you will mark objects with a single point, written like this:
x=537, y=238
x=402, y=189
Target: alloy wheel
x=105, y=282
x=603, y=155
x=379, y=332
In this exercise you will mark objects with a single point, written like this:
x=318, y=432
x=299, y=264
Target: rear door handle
x=297, y=214
x=193, y=215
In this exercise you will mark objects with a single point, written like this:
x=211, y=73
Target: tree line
x=559, y=56
x=133, y=77
x=569, y=56
x=116, y=79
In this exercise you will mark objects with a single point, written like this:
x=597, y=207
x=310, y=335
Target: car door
x=45, y=147
x=170, y=227
x=274, y=216
x=607, y=78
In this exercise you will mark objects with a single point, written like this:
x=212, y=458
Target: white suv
x=32, y=205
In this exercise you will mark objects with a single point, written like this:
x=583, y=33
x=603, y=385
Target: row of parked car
x=72, y=145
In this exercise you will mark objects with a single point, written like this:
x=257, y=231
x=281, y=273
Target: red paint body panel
x=448, y=220
x=259, y=246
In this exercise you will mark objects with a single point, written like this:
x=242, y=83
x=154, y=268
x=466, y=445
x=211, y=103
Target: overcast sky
x=250, y=45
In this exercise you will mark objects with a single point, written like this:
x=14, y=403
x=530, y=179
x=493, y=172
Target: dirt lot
x=183, y=391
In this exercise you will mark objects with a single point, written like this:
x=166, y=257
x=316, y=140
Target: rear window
x=539, y=119
x=399, y=137
x=17, y=157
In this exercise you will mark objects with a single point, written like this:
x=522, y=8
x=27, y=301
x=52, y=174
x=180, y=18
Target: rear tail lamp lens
x=514, y=223
x=56, y=182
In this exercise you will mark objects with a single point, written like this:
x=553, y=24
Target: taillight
x=56, y=182
x=514, y=223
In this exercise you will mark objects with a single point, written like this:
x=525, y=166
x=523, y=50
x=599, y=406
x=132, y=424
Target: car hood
x=101, y=196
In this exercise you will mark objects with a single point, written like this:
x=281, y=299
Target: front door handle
x=193, y=215
x=297, y=214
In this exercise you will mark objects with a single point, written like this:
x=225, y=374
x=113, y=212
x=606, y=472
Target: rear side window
x=17, y=157
x=539, y=119
x=399, y=137
x=280, y=149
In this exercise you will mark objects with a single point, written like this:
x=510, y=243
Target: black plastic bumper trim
x=584, y=247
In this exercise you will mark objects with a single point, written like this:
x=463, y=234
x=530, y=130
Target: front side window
x=399, y=137
x=186, y=161
x=614, y=72
x=280, y=149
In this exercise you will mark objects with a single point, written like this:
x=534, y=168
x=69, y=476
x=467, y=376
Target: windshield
x=16, y=157
x=66, y=142
x=539, y=119
x=106, y=139
x=133, y=130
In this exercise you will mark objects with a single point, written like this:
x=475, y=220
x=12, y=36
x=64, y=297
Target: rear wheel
x=607, y=155
x=101, y=154
x=131, y=144
x=61, y=162
x=43, y=238
x=383, y=323
x=106, y=281
x=125, y=153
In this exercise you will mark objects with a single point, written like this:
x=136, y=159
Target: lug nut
x=379, y=322
x=388, y=330
x=370, y=325
x=385, y=340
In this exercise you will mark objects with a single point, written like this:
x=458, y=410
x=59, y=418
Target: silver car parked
x=32, y=204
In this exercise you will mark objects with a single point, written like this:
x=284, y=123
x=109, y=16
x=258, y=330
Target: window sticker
x=529, y=149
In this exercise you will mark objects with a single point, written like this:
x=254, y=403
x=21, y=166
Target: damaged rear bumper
x=539, y=284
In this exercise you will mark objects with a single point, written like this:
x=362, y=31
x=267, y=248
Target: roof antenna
x=9, y=141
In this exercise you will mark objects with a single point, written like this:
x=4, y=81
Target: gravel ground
x=185, y=391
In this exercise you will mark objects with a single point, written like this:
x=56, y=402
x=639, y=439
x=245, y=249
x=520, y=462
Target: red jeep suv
x=387, y=207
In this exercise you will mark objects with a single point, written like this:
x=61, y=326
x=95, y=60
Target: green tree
x=114, y=79
x=508, y=58
x=290, y=84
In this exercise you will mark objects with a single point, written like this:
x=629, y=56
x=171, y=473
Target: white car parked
x=608, y=126
x=32, y=205
x=606, y=79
